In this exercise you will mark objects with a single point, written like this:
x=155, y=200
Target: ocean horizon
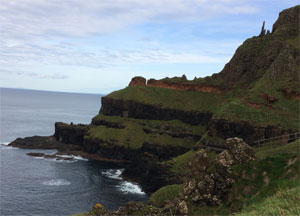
x=39, y=186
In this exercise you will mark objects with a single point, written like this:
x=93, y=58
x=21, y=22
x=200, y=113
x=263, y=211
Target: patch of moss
x=168, y=192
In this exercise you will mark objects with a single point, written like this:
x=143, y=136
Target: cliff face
x=135, y=109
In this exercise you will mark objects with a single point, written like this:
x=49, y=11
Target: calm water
x=37, y=186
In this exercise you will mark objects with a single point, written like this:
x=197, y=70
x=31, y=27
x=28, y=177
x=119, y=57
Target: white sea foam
x=55, y=160
x=56, y=182
x=80, y=158
x=5, y=143
x=113, y=173
x=128, y=187
x=73, y=157
x=6, y=147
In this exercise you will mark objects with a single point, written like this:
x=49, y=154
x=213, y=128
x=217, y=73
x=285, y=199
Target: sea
x=42, y=187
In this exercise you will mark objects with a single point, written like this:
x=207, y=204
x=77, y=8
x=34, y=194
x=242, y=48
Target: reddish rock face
x=138, y=81
x=183, y=86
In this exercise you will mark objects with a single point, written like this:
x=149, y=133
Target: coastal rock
x=149, y=173
x=70, y=133
x=35, y=154
x=42, y=142
x=138, y=81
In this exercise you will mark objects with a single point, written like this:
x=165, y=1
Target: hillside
x=255, y=96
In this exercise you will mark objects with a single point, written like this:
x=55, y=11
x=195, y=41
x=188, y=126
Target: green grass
x=283, y=202
x=168, y=192
x=133, y=135
x=179, y=164
x=168, y=98
x=268, y=150
x=230, y=105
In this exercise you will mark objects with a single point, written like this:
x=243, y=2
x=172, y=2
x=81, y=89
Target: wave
x=6, y=147
x=73, y=157
x=55, y=160
x=56, y=182
x=5, y=143
x=113, y=173
x=128, y=187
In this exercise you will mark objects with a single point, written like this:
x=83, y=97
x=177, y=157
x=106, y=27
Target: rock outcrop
x=211, y=180
x=70, y=133
x=42, y=142
x=138, y=81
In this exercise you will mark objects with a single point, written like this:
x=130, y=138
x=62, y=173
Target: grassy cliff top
x=237, y=105
x=259, y=85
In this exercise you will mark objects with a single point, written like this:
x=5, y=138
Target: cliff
x=255, y=96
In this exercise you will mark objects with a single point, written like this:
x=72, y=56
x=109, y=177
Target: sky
x=97, y=46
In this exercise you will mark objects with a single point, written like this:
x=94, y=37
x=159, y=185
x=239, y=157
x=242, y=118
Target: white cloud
x=35, y=18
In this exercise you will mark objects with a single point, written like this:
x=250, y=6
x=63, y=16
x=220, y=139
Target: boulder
x=211, y=180
x=241, y=151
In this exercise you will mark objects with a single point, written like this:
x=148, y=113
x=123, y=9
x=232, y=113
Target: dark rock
x=42, y=142
x=263, y=30
x=109, y=124
x=35, y=154
x=134, y=109
x=245, y=130
x=163, y=152
x=70, y=134
x=150, y=174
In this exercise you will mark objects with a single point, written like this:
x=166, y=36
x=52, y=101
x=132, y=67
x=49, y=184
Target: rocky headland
x=179, y=136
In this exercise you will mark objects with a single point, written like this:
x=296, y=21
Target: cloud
x=67, y=54
x=36, y=18
x=34, y=75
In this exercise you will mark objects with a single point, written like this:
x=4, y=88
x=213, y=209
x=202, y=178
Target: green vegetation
x=269, y=150
x=226, y=106
x=268, y=185
x=168, y=192
x=172, y=99
x=180, y=164
x=134, y=134
x=283, y=202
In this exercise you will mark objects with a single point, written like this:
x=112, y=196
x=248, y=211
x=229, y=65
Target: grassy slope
x=168, y=192
x=231, y=105
x=272, y=179
x=168, y=98
x=283, y=202
x=133, y=136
